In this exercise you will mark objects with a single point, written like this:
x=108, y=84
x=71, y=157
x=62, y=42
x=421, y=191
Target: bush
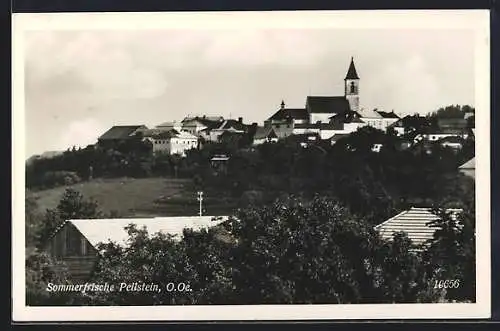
x=58, y=178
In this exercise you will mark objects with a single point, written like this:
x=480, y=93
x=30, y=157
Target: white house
x=174, y=142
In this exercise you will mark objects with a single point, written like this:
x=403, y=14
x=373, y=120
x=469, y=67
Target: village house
x=228, y=126
x=76, y=242
x=173, y=142
x=414, y=222
x=119, y=134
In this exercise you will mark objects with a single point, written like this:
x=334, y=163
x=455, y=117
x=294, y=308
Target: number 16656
x=448, y=283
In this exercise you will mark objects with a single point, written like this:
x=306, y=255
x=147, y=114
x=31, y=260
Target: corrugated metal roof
x=104, y=230
x=414, y=222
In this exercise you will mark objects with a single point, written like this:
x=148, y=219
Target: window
x=353, y=87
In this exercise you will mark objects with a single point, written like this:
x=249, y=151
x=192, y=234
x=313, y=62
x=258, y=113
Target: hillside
x=144, y=197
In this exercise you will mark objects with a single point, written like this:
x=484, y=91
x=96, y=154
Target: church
x=329, y=115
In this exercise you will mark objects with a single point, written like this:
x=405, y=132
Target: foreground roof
x=414, y=222
x=104, y=230
x=471, y=164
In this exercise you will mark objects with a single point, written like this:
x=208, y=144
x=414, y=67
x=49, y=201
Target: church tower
x=351, y=82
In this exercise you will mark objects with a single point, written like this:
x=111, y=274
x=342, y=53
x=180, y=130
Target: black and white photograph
x=251, y=165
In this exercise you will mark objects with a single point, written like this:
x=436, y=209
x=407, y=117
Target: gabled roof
x=264, y=132
x=104, y=230
x=290, y=113
x=232, y=124
x=351, y=72
x=369, y=113
x=414, y=222
x=386, y=114
x=471, y=164
x=121, y=132
x=327, y=105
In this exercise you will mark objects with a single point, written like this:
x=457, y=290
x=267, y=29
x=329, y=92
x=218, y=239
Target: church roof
x=351, y=73
x=327, y=105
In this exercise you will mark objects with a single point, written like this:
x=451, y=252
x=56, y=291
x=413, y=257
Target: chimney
x=240, y=119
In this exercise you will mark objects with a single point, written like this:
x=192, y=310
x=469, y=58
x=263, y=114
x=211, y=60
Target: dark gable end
x=325, y=105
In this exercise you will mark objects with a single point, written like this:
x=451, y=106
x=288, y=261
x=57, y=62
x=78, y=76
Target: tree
x=71, y=206
x=287, y=252
x=451, y=253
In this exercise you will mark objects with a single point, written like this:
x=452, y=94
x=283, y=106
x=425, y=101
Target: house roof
x=121, y=132
x=222, y=157
x=386, y=114
x=327, y=105
x=290, y=113
x=165, y=134
x=232, y=124
x=105, y=230
x=169, y=124
x=414, y=222
x=351, y=72
x=369, y=113
x=184, y=135
x=471, y=164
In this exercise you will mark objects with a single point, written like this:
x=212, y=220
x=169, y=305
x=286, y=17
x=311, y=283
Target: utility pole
x=200, y=199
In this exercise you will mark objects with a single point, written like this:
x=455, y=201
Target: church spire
x=351, y=73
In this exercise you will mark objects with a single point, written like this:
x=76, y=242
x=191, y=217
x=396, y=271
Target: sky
x=79, y=83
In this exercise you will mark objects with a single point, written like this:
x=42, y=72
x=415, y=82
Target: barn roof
x=104, y=230
x=415, y=222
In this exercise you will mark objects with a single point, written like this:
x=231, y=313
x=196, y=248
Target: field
x=144, y=197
